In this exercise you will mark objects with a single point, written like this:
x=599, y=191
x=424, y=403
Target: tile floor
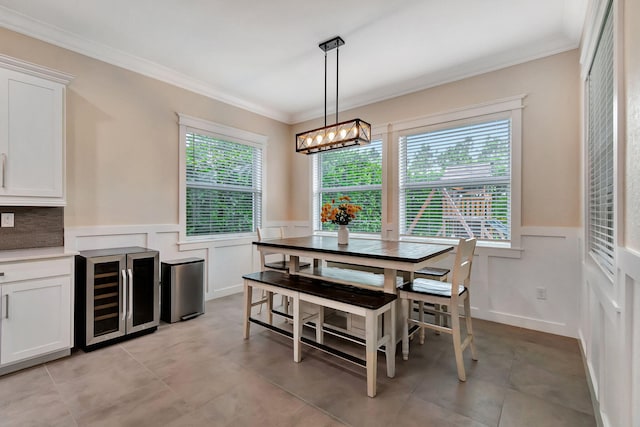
x=202, y=373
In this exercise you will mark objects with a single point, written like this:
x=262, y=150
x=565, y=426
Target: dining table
x=390, y=256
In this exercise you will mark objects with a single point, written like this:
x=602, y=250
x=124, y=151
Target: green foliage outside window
x=223, y=186
x=346, y=172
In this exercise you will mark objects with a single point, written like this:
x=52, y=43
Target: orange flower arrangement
x=341, y=214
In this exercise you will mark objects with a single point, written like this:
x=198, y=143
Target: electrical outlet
x=541, y=293
x=6, y=220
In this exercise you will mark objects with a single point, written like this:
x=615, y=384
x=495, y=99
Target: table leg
x=390, y=280
x=294, y=264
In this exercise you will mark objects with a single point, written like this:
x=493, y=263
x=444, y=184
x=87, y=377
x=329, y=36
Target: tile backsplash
x=34, y=227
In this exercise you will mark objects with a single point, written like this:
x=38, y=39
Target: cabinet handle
x=4, y=166
x=1, y=273
x=130, y=293
x=124, y=295
x=6, y=306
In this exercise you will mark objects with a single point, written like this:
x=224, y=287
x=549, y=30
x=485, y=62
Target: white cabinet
x=32, y=135
x=35, y=308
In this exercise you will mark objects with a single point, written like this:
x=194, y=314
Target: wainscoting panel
x=610, y=338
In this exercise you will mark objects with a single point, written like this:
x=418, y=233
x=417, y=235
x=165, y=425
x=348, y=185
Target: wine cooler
x=117, y=295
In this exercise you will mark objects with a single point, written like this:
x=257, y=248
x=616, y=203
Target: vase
x=343, y=235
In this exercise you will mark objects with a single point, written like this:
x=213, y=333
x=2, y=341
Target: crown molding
x=59, y=37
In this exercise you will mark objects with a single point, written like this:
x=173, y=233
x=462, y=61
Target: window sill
x=218, y=241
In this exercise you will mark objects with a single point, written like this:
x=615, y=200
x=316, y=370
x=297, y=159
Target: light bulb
x=309, y=141
x=343, y=133
x=331, y=136
x=319, y=139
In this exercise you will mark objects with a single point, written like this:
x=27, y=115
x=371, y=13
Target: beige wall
x=632, y=164
x=122, y=139
x=551, y=139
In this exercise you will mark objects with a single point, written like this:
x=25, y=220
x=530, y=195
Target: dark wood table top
x=412, y=252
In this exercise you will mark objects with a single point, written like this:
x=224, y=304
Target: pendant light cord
x=337, y=76
x=325, y=89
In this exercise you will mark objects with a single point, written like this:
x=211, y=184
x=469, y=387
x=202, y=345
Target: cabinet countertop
x=34, y=253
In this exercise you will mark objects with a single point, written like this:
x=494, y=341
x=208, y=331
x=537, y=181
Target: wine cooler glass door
x=105, y=303
x=144, y=294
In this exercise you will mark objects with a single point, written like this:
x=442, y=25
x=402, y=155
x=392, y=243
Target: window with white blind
x=355, y=172
x=223, y=183
x=455, y=181
x=600, y=151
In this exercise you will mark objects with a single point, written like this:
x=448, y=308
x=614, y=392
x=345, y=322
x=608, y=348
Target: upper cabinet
x=32, y=134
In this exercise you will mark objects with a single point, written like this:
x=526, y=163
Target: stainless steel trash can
x=182, y=292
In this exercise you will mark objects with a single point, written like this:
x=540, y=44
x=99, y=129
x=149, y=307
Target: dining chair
x=280, y=264
x=450, y=294
x=434, y=273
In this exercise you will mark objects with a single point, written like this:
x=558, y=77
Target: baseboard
x=555, y=328
x=231, y=290
x=34, y=361
x=592, y=391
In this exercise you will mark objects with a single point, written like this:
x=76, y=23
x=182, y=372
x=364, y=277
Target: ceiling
x=263, y=56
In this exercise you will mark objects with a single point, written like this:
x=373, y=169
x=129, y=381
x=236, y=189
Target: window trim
x=510, y=108
x=189, y=123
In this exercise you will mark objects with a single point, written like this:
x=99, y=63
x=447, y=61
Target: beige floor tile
x=419, y=413
x=521, y=410
x=152, y=405
x=567, y=390
x=475, y=398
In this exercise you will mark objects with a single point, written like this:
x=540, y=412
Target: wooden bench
x=363, y=302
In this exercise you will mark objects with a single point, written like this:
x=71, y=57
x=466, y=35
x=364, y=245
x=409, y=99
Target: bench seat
x=324, y=293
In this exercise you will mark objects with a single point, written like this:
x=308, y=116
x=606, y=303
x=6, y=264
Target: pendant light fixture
x=340, y=134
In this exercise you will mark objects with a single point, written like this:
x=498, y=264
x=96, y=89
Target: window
x=357, y=173
x=455, y=181
x=222, y=179
x=600, y=151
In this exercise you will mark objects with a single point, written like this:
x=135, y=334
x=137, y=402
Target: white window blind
x=224, y=185
x=355, y=172
x=456, y=182
x=600, y=151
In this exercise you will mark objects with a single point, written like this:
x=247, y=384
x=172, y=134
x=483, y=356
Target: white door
x=36, y=318
x=31, y=136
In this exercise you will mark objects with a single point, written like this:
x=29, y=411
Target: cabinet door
x=31, y=140
x=36, y=318
x=106, y=298
x=144, y=296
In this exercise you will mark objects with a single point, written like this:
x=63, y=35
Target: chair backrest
x=270, y=233
x=462, y=264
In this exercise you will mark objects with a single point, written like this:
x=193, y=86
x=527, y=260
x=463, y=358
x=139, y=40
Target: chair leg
x=320, y=325
x=421, y=319
x=407, y=306
x=438, y=318
x=457, y=343
x=467, y=315
x=270, y=307
x=264, y=295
